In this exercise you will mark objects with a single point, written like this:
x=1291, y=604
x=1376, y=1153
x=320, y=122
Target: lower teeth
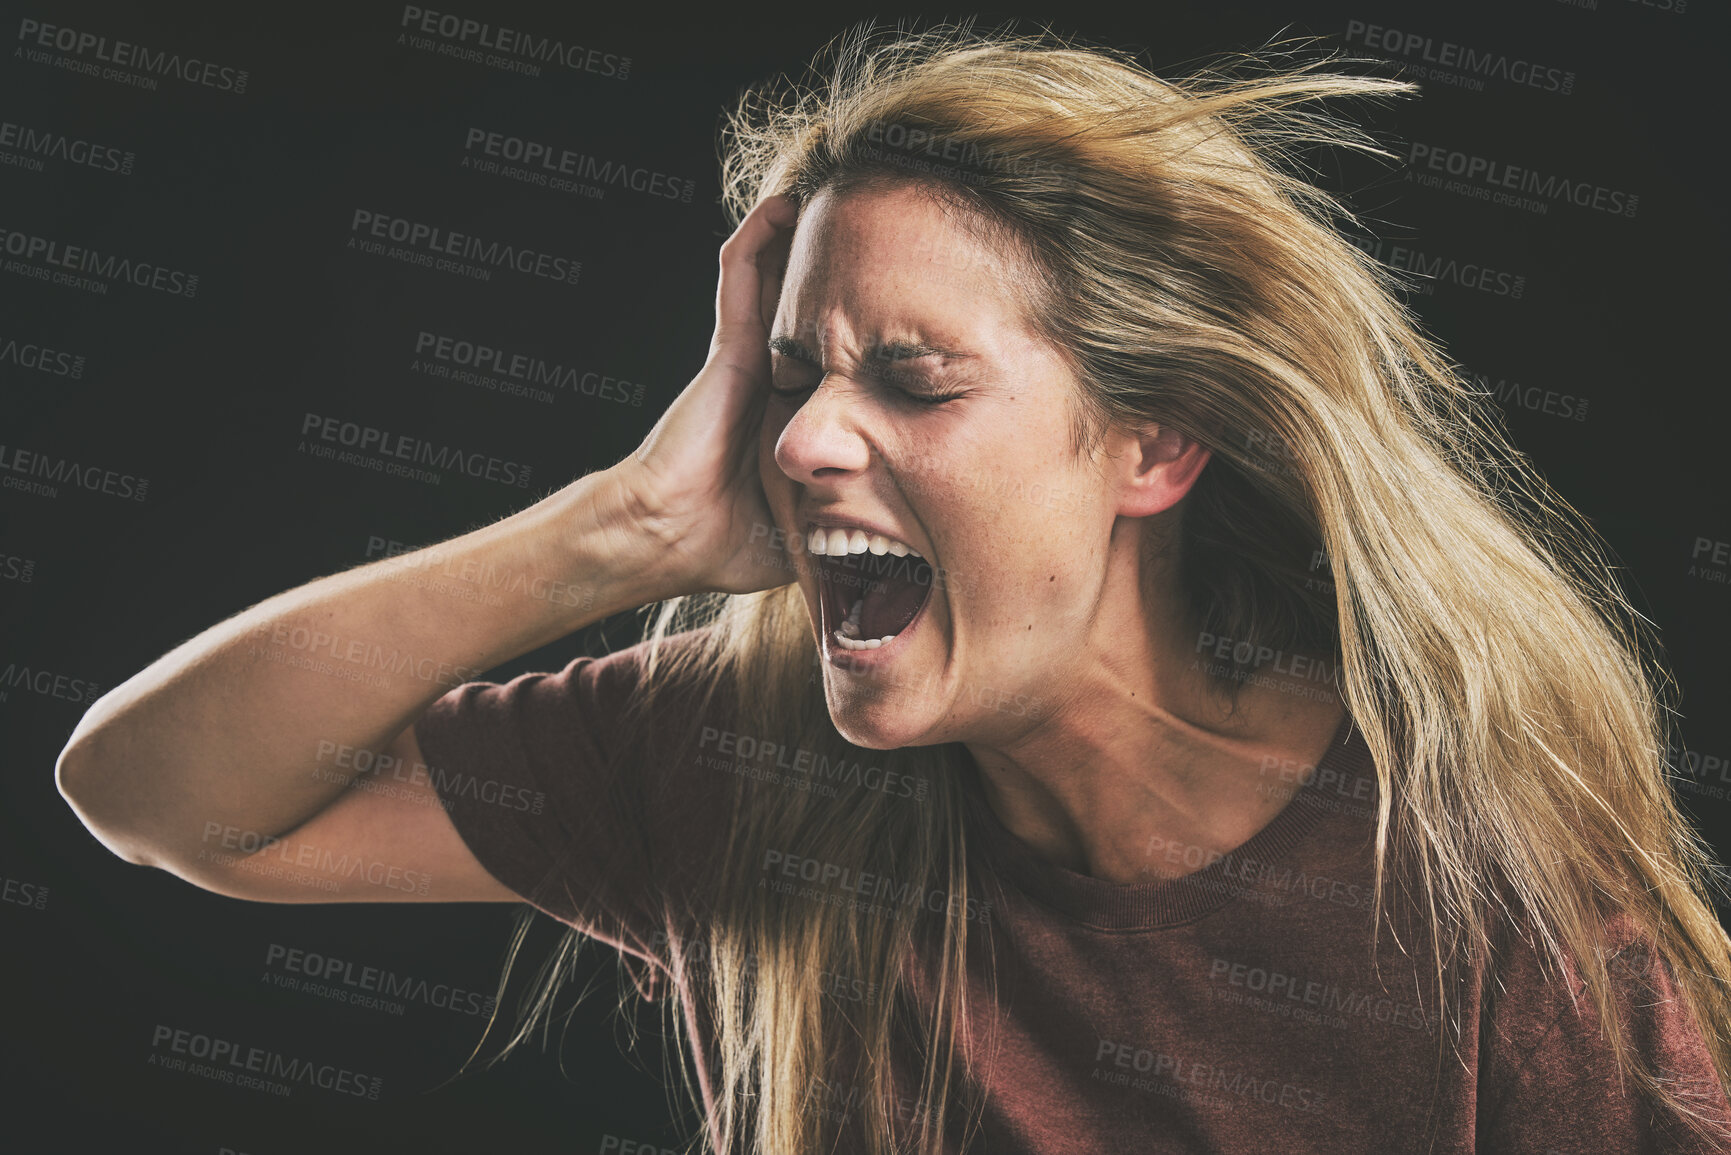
x=848, y=643
x=847, y=636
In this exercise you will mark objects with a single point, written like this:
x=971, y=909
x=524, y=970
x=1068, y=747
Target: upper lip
x=838, y=521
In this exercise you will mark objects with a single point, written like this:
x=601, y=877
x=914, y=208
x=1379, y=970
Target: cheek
x=1037, y=555
x=779, y=489
x=768, y=434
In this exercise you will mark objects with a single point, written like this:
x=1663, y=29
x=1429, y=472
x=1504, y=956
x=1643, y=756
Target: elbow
x=78, y=778
x=72, y=778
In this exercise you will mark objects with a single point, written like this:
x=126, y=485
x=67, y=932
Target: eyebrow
x=884, y=352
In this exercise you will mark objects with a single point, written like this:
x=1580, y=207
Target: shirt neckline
x=1109, y=905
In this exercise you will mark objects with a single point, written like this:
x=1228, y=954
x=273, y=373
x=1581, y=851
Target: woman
x=1098, y=816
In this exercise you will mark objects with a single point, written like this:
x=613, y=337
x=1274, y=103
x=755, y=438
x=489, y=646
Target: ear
x=1156, y=468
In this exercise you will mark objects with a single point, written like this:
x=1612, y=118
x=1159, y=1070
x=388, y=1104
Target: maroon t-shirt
x=1234, y=1009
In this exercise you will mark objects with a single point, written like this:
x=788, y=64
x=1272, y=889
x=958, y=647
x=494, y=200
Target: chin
x=875, y=729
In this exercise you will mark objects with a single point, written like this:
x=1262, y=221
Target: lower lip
x=850, y=660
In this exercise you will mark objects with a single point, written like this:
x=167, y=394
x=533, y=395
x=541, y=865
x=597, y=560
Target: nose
x=823, y=439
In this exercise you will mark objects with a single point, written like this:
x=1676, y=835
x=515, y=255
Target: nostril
x=810, y=447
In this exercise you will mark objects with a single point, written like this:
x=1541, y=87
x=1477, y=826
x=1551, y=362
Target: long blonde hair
x=1506, y=689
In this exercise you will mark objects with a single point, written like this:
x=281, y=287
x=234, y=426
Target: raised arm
x=236, y=753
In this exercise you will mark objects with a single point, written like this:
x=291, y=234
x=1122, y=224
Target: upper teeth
x=835, y=542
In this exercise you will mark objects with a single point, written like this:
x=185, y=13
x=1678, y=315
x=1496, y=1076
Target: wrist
x=612, y=536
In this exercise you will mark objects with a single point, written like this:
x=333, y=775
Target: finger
x=738, y=297
x=772, y=269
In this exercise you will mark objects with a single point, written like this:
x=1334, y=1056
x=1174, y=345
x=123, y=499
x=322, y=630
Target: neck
x=1143, y=769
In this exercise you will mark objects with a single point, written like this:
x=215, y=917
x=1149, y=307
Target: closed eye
x=912, y=386
x=912, y=395
x=929, y=398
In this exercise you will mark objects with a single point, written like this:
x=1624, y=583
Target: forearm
x=253, y=726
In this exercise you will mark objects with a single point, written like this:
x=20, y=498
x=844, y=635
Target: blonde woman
x=1115, y=687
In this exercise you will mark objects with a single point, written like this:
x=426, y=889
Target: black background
x=205, y=396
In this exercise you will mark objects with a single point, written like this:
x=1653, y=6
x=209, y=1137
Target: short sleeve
x=1552, y=1083
x=565, y=804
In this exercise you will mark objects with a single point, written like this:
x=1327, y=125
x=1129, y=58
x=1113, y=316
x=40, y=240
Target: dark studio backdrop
x=163, y=462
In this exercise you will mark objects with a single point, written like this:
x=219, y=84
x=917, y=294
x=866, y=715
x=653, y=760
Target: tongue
x=894, y=588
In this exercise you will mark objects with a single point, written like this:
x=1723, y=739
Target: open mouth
x=866, y=600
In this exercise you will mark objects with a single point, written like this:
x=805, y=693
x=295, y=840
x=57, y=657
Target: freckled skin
x=870, y=267
x=1102, y=627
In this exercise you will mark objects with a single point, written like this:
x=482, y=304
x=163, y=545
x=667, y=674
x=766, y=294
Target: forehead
x=893, y=257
